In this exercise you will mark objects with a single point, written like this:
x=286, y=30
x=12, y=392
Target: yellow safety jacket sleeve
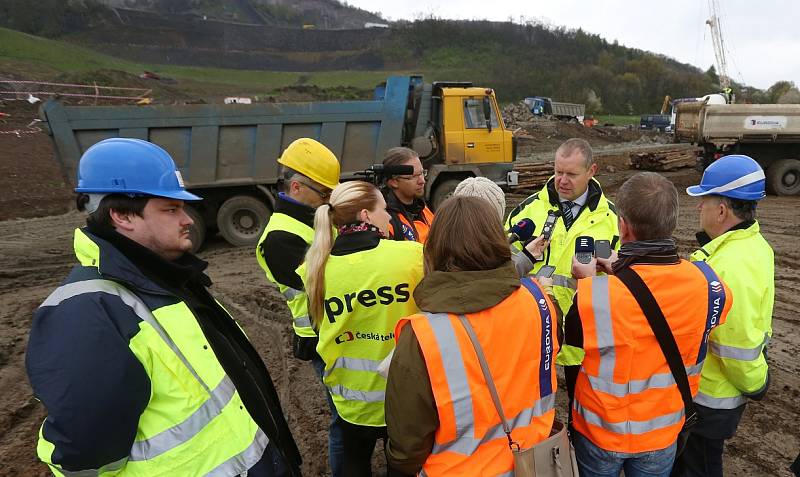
x=736, y=364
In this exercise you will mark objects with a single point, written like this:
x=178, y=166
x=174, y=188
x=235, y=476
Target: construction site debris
x=663, y=160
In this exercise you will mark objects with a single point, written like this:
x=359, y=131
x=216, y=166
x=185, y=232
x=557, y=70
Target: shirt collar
x=580, y=200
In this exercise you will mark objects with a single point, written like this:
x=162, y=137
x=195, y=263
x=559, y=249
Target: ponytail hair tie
x=330, y=207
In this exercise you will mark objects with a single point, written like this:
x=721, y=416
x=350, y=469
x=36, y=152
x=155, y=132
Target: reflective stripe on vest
x=112, y=467
x=289, y=293
x=470, y=439
x=465, y=442
x=733, y=352
x=181, y=433
x=566, y=282
x=735, y=362
x=716, y=303
x=113, y=288
x=295, y=299
x=626, y=399
x=366, y=294
x=719, y=403
x=629, y=427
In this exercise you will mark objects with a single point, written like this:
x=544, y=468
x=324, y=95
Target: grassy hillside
x=24, y=56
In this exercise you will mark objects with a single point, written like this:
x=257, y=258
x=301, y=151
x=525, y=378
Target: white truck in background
x=769, y=133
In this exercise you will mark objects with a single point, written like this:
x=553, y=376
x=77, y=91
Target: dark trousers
x=358, y=443
x=702, y=457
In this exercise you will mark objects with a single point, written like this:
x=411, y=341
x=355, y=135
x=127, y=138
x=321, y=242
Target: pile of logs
x=664, y=160
x=533, y=175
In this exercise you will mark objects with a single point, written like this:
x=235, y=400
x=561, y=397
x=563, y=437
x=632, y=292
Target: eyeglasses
x=322, y=195
x=413, y=177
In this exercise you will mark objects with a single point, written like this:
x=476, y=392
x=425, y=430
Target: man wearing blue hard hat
x=141, y=370
x=735, y=367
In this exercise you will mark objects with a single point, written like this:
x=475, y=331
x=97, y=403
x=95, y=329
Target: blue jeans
x=335, y=435
x=596, y=462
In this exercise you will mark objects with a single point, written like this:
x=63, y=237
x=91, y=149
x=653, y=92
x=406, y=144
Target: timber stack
x=669, y=160
x=533, y=175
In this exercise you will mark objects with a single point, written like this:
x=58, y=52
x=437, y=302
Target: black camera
x=378, y=173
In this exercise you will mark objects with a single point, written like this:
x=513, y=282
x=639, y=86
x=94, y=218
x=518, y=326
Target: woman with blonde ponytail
x=359, y=286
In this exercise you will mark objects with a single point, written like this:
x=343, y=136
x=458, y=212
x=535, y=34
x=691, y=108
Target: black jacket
x=284, y=251
x=120, y=388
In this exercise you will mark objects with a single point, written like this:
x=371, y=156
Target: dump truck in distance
x=227, y=153
x=769, y=133
x=541, y=106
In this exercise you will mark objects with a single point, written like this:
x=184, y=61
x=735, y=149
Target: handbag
x=552, y=457
x=647, y=302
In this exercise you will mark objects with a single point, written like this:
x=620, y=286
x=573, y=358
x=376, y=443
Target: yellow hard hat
x=312, y=159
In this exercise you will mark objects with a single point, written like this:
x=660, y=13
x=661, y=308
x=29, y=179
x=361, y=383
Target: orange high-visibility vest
x=418, y=230
x=519, y=341
x=626, y=399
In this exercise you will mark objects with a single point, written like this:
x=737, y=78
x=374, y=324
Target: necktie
x=566, y=213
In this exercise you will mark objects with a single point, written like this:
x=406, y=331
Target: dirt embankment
x=35, y=254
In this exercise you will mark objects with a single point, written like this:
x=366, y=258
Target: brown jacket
x=411, y=416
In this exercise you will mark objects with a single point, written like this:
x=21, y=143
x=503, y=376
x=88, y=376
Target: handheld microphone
x=522, y=231
x=550, y=224
x=584, y=249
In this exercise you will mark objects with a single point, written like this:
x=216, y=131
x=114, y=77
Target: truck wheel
x=197, y=232
x=783, y=177
x=241, y=219
x=443, y=192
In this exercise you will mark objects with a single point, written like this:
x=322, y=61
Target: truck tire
x=443, y=192
x=197, y=232
x=783, y=177
x=241, y=219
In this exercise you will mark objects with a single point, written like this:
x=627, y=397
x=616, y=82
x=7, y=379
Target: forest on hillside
x=517, y=59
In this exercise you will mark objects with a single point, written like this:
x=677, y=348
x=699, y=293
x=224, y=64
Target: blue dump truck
x=227, y=153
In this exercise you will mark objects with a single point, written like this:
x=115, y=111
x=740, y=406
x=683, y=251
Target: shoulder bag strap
x=487, y=375
x=658, y=323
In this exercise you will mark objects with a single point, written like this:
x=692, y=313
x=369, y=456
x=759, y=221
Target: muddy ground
x=35, y=254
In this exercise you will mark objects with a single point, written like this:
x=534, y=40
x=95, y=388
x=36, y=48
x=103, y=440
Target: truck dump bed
x=236, y=144
x=722, y=124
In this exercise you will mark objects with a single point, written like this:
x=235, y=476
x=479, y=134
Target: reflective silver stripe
x=355, y=395
x=454, y=371
x=719, y=403
x=656, y=381
x=290, y=293
x=630, y=427
x=244, y=460
x=354, y=364
x=566, y=282
x=603, y=327
x=134, y=302
x=191, y=426
x=114, y=466
x=467, y=445
x=736, y=183
x=733, y=352
x=302, y=322
x=184, y=431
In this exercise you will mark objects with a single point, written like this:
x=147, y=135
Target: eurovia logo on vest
x=718, y=290
x=547, y=335
x=385, y=295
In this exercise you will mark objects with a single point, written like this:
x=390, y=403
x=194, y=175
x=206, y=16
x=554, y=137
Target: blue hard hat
x=130, y=166
x=735, y=176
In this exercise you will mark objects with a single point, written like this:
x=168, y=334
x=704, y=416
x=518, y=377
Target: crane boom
x=719, y=45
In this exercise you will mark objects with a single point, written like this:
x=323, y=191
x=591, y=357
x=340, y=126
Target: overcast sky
x=762, y=37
